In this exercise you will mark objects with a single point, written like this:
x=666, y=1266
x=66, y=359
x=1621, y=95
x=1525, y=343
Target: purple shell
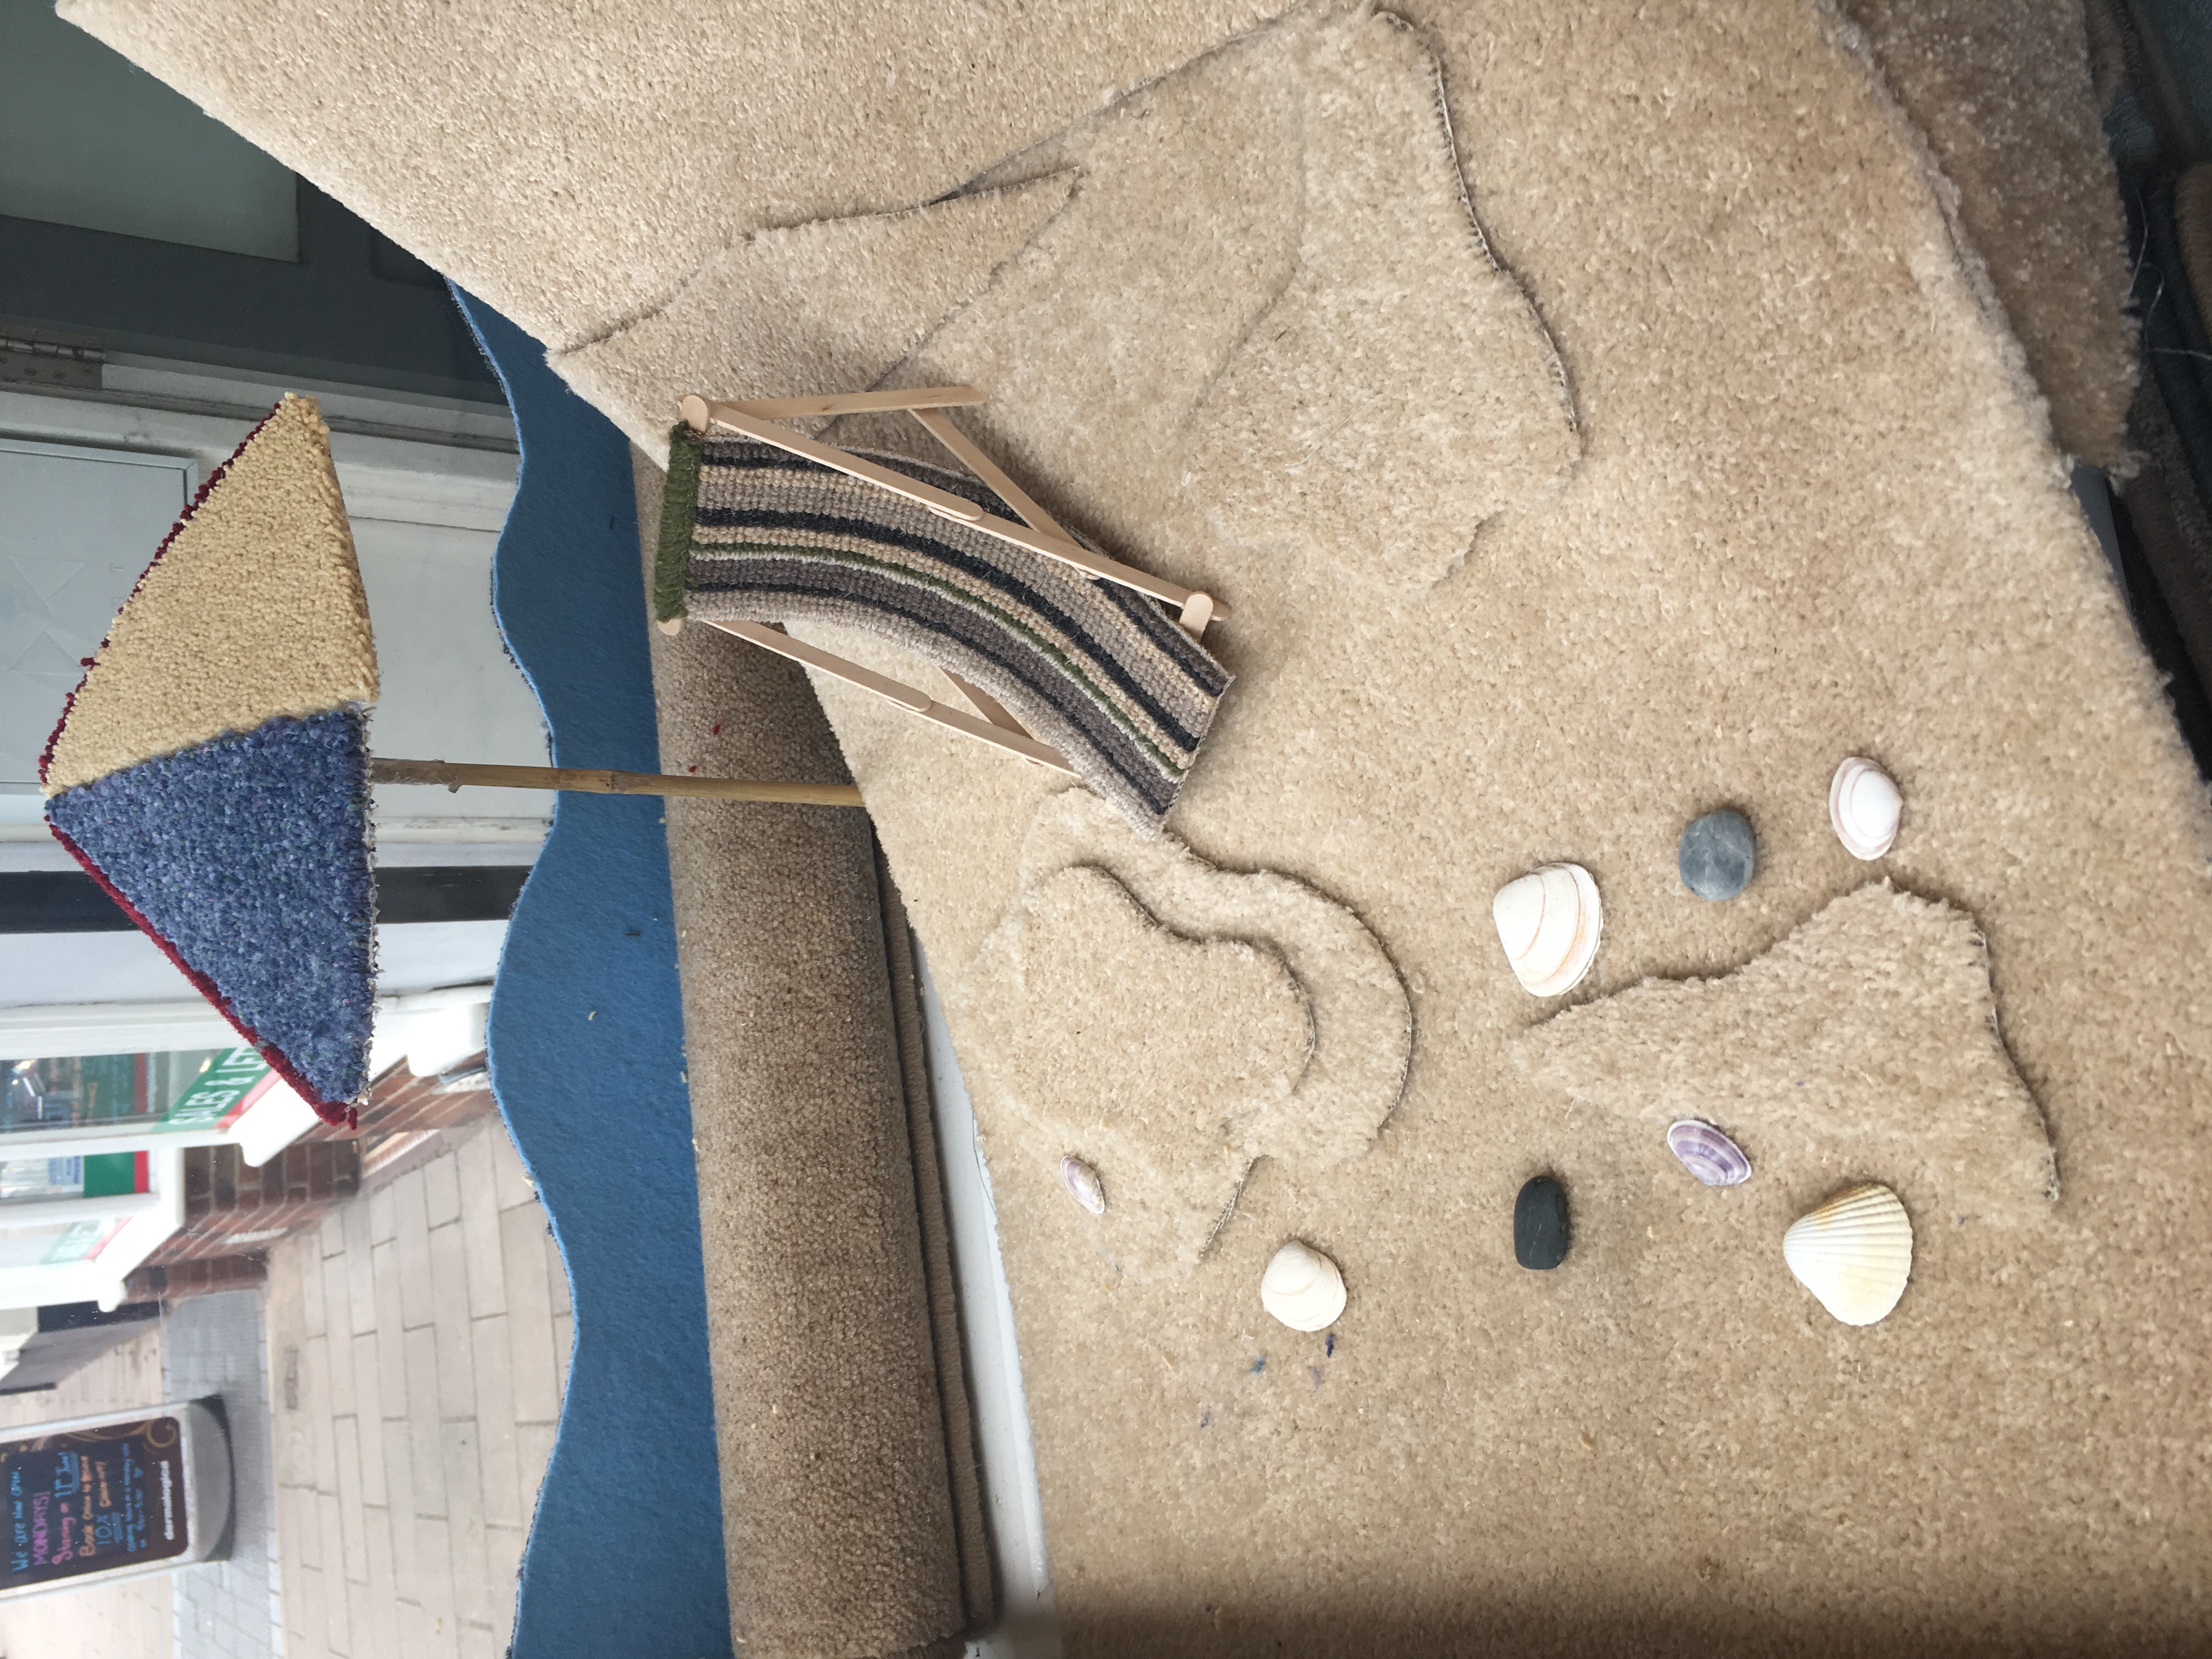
x=1707, y=1153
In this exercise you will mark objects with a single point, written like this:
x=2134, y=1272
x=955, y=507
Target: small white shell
x=1303, y=1288
x=1083, y=1184
x=1853, y=1252
x=1864, y=806
x=1548, y=921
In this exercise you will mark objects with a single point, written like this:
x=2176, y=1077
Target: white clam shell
x=1853, y=1252
x=1083, y=1184
x=1303, y=1288
x=1864, y=806
x=1548, y=921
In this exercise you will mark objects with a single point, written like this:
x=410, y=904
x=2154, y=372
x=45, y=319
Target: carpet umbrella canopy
x=210, y=770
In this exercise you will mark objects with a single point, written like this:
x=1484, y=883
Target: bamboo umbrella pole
x=452, y=774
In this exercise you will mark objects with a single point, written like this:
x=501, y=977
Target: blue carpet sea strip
x=625, y=1558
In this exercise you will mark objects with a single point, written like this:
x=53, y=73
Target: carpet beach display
x=210, y=771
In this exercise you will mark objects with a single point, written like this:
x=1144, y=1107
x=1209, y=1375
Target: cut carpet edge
x=587, y=1005
x=925, y=261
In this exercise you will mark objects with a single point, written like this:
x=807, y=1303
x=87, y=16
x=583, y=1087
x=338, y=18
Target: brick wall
x=229, y=1206
x=402, y=1103
x=234, y=1214
x=175, y=1281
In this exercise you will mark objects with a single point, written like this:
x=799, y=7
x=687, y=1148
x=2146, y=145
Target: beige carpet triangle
x=254, y=608
x=827, y=306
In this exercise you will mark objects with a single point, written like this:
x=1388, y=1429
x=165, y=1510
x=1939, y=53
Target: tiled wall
x=418, y=1346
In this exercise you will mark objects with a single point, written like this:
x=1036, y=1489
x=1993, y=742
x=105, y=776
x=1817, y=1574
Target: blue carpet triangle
x=246, y=859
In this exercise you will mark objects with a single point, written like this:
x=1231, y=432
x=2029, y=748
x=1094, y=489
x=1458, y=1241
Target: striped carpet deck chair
x=1072, y=660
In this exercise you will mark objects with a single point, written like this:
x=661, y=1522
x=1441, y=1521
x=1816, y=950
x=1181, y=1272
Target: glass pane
x=34, y=1178
x=124, y=1090
x=56, y=1244
x=88, y=139
x=79, y=528
x=97, y=1175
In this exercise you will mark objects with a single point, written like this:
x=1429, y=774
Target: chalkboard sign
x=93, y=1499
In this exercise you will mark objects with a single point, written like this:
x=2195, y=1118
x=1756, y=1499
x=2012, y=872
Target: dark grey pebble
x=1716, y=854
x=1540, y=1223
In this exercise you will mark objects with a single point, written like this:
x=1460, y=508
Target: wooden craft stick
x=987, y=705
x=1198, y=608
x=941, y=503
x=950, y=506
x=452, y=774
x=700, y=412
x=940, y=427
x=906, y=696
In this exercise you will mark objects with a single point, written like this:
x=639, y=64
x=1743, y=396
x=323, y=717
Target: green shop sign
x=234, y=1081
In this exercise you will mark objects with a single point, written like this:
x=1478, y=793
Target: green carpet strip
x=750, y=533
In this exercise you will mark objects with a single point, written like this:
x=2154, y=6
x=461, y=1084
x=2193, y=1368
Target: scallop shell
x=1864, y=805
x=1853, y=1252
x=1083, y=1184
x=1303, y=1288
x=1548, y=921
x=1707, y=1153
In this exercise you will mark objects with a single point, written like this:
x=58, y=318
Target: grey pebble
x=1539, y=1224
x=1716, y=854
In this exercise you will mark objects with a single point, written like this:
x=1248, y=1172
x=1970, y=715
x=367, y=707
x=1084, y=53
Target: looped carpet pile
x=1694, y=414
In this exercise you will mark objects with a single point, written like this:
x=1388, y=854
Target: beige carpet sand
x=777, y=308
x=1816, y=511
x=1869, y=1036
x=577, y=167
x=1246, y=1015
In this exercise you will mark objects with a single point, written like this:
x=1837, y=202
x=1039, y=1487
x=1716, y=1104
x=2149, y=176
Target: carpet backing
x=1789, y=494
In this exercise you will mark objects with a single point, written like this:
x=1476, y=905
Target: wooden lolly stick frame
x=701, y=414
x=1040, y=534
